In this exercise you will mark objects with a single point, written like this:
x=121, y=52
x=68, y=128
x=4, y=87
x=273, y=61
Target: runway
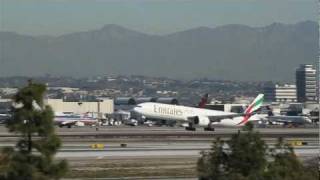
x=153, y=151
x=148, y=159
x=159, y=150
x=144, y=132
x=158, y=142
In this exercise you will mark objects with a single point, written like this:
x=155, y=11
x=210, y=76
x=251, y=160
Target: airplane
x=199, y=117
x=285, y=120
x=289, y=120
x=71, y=119
x=64, y=119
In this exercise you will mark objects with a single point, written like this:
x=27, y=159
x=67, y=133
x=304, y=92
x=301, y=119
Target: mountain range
x=229, y=52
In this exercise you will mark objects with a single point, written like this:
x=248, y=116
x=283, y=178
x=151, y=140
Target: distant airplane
x=286, y=120
x=199, y=117
x=71, y=119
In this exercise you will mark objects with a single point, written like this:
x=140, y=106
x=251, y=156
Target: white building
x=104, y=106
x=8, y=91
x=306, y=81
x=64, y=89
x=281, y=93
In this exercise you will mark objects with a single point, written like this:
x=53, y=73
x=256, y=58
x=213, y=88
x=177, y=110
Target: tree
x=213, y=163
x=32, y=158
x=286, y=165
x=248, y=154
x=245, y=158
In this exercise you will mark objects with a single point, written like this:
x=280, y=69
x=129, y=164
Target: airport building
x=280, y=93
x=306, y=82
x=318, y=79
x=104, y=106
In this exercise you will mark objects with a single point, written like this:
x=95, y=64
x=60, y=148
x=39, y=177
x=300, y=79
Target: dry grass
x=104, y=168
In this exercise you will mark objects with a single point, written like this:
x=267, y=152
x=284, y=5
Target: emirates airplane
x=197, y=117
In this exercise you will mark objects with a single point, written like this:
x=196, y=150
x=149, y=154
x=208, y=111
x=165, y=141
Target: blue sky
x=56, y=17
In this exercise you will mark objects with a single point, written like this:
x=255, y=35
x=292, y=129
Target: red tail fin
x=204, y=101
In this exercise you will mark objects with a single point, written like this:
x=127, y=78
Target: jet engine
x=227, y=122
x=201, y=121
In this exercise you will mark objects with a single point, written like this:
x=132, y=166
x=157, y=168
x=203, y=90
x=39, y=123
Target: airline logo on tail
x=255, y=105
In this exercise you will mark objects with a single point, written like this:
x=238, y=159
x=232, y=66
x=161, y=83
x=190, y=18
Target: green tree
x=248, y=154
x=286, y=165
x=214, y=162
x=32, y=158
x=246, y=159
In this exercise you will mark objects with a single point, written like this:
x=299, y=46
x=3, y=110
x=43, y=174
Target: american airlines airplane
x=199, y=117
x=71, y=119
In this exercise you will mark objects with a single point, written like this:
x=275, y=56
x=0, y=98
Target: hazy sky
x=55, y=17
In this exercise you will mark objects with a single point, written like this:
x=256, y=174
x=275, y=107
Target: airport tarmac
x=118, y=130
x=154, y=150
x=158, y=150
x=159, y=141
x=156, y=160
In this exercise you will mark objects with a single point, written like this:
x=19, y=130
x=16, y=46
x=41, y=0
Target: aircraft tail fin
x=256, y=104
x=204, y=101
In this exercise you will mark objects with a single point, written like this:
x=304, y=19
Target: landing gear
x=209, y=128
x=190, y=127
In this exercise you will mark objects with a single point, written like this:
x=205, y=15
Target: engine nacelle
x=227, y=122
x=201, y=121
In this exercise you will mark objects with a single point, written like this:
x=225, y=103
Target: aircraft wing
x=218, y=118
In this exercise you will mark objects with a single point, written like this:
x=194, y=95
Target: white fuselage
x=65, y=119
x=288, y=119
x=183, y=113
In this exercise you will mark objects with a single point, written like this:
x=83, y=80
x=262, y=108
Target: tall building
x=318, y=77
x=306, y=82
x=280, y=93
